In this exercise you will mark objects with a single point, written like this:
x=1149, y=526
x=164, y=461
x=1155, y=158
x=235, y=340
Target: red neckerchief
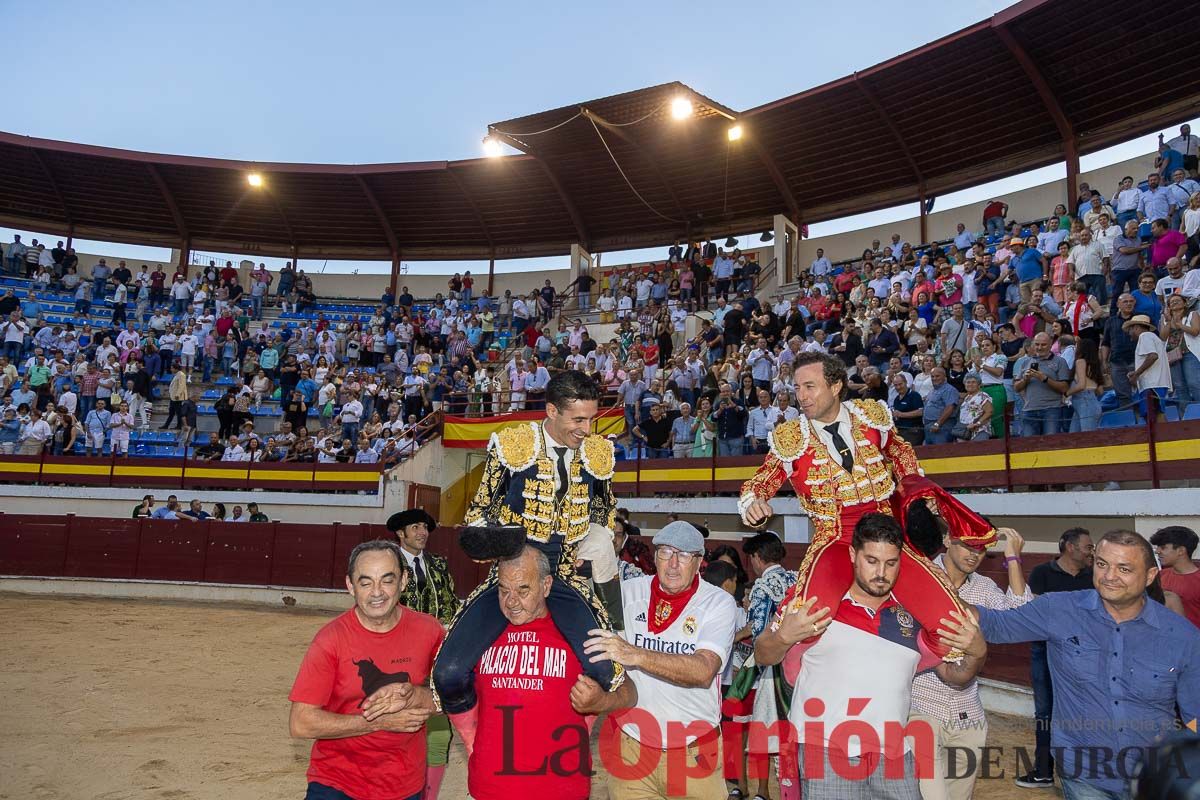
x=664, y=608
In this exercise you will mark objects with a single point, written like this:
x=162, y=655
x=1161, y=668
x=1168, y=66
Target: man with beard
x=861, y=668
x=845, y=460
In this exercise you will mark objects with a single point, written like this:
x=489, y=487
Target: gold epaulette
x=517, y=446
x=598, y=458
x=789, y=440
x=874, y=414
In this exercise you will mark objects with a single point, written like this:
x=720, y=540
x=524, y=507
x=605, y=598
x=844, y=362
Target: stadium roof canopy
x=1040, y=82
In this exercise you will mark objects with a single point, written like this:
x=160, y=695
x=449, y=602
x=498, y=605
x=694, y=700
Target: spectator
x=993, y=217
x=1042, y=380
x=938, y=408
x=1117, y=350
x=1154, y=648
x=1151, y=373
x=730, y=419
x=1028, y=265
x=1174, y=547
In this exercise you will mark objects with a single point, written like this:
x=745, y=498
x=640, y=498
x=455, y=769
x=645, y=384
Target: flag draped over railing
x=474, y=432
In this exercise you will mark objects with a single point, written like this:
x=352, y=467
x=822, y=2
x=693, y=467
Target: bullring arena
x=228, y=375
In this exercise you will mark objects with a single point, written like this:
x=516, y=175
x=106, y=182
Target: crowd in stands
x=1095, y=302
x=174, y=510
x=1091, y=309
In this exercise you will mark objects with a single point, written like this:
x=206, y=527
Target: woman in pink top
x=1062, y=273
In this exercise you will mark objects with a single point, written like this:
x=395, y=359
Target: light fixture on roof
x=255, y=179
x=731, y=242
x=767, y=236
x=492, y=147
x=681, y=108
x=735, y=133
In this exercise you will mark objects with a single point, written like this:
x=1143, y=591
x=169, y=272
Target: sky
x=369, y=81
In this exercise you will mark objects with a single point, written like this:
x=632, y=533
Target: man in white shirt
x=761, y=421
x=234, y=451
x=963, y=238
x=1151, y=373
x=1187, y=145
x=678, y=635
x=859, y=662
x=1091, y=264
x=820, y=265
x=1049, y=239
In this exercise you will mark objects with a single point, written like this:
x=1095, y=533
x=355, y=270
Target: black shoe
x=1033, y=780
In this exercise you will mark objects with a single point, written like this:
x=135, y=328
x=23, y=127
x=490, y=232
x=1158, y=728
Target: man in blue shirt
x=1120, y=664
x=1029, y=265
x=939, y=408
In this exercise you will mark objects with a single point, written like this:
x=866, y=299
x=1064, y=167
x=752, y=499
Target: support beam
x=768, y=161
x=62, y=202
x=395, y=278
x=169, y=198
x=924, y=216
x=474, y=208
x=388, y=232
x=887, y=120
x=1054, y=108
x=552, y=176
x=568, y=203
x=491, y=275
x=620, y=133
x=185, y=256
x=282, y=216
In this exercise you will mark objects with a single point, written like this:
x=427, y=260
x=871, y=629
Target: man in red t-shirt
x=361, y=691
x=532, y=738
x=229, y=273
x=1175, y=546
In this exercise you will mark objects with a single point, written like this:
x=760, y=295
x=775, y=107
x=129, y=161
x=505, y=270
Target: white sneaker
x=1112, y=486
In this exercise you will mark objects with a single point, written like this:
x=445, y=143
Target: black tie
x=561, y=491
x=840, y=445
x=420, y=574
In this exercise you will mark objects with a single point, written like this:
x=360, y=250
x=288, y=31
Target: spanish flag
x=474, y=432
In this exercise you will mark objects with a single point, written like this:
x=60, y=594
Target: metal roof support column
x=395, y=279
x=491, y=273
x=1050, y=101
x=924, y=215
x=185, y=256
x=781, y=184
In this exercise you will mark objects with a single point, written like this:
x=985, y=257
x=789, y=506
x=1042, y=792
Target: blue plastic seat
x=1118, y=419
x=1192, y=411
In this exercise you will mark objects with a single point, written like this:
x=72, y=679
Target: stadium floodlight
x=255, y=180
x=735, y=133
x=681, y=108
x=492, y=147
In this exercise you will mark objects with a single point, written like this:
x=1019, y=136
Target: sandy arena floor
x=142, y=700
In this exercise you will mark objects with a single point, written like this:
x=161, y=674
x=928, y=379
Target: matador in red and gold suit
x=884, y=477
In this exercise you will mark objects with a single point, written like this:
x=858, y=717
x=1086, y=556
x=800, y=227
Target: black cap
x=402, y=519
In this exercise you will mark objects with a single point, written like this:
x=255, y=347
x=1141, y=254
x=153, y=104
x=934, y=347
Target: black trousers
x=480, y=623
